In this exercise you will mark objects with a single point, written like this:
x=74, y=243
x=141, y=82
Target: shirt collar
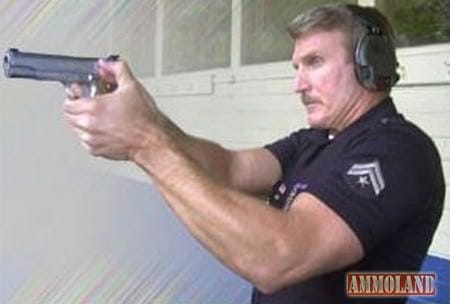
x=381, y=112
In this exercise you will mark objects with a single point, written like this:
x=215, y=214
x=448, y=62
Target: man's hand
x=115, y=125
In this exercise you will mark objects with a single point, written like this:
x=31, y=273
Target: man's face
x=326, y=80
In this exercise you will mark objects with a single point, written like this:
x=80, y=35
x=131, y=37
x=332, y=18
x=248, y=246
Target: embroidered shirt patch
x=366, y=178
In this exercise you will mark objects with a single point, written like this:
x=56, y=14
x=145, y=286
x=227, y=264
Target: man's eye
x=315, y=61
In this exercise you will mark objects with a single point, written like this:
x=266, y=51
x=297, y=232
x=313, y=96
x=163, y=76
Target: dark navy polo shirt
x=382, y=175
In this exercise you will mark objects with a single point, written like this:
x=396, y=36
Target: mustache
x=308, y=99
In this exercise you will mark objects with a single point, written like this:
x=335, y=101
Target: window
x=133, y=36
x=197, y=35
x=418, y=22
x=264, y=22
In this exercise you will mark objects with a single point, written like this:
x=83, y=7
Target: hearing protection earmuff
x=374, y=53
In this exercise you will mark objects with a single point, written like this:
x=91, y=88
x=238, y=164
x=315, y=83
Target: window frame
x=412, y=60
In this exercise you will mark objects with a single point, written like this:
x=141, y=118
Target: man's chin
x=315, y=123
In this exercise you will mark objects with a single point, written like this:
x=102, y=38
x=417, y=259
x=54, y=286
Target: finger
x=74, y=91
x=70, y=94
x=87, y=138
x=120, y=69
x=86, y=146
x=81, y=122
x=78, y=106
x=106, y=71
x=84, y=136
x=92, y=148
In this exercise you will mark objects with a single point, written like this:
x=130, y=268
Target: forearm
x=215, y=160
x=238, y=229
x=253, y=171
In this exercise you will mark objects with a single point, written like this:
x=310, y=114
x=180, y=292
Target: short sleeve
x=288, y=149
x=380, y=182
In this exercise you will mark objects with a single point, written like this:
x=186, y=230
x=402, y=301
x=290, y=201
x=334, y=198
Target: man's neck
x=366, y=102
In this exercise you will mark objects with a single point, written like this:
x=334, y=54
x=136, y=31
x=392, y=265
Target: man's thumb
x=118, y=71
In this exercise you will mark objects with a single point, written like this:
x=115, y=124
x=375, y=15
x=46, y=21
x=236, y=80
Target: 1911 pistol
x=68, y=70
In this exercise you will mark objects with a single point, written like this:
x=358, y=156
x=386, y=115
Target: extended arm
x=240, y=169
x=269, y=247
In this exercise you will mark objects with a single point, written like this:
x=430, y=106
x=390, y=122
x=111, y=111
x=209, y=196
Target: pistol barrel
x=65, y=69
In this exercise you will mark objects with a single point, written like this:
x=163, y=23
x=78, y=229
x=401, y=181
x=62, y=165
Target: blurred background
x=79, y=229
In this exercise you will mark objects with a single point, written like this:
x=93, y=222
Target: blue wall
x=442, y=269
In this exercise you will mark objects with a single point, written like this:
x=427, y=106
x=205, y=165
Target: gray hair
x=352, y=20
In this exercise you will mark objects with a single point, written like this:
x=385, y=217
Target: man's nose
x=301, y=81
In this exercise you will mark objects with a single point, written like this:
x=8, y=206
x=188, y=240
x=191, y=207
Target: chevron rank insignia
x=366, y=178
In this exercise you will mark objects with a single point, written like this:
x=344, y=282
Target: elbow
x=263, y=279
x=268, y=280
x=268, y=287
x=280, y=270
x=260, y=273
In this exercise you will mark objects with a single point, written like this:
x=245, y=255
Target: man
x=360, y=190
